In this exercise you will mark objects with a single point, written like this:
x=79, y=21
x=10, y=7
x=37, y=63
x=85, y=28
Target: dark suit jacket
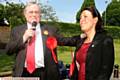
x=17, y=46
x=100, y=56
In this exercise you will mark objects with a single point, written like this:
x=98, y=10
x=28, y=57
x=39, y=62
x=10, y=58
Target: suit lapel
x=23, y=28
x=97, y=39
x=44, y=37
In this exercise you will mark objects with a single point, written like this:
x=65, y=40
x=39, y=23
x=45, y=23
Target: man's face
x=32, y=13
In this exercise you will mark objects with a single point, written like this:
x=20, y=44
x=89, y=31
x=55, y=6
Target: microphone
x=34, y=23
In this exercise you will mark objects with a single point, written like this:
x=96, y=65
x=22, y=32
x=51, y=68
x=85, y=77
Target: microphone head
x=34, y=23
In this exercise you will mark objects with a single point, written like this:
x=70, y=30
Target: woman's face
x=87, y=22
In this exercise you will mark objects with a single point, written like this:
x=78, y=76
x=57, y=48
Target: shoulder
x=18, y=30
x=19, y=27
x=106, y=38
x=49, y=28
x=103, y=38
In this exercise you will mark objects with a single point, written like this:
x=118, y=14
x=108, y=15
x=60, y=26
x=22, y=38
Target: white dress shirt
x=39, y=53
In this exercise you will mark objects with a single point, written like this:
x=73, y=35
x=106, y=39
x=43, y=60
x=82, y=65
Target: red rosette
x=52, y=44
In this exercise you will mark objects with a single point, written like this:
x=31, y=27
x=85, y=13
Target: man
x=44, y=66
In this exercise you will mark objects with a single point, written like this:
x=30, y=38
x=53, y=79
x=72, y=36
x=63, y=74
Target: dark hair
x=95, y=13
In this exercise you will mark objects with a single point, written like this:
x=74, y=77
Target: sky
x=66, y=10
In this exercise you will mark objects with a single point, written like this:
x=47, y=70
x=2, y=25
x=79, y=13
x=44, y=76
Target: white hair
x=29, y=4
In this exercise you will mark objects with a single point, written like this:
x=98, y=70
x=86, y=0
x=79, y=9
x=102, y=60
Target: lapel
x=44, y=37
x=23, y=28
x=96, y=40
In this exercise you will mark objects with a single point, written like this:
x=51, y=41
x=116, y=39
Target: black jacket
x=100, y=56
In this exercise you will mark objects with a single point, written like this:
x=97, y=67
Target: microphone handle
x=31, y=36
x=34, y=28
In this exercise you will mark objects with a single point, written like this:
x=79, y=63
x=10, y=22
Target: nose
x=81, y=20
x=34, y=14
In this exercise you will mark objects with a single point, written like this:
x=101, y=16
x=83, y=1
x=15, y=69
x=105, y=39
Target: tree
x=48, y=14
x=85, y=4
x=1, y=11
x=2, y=15
x=14, y=13
x=112, y=13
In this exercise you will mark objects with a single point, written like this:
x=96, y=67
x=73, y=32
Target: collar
x=29, y=25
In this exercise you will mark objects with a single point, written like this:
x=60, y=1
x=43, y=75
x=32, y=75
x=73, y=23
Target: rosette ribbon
x=72, y=65
x=52, y=44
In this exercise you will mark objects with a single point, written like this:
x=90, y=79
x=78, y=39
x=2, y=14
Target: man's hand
x=29, y=33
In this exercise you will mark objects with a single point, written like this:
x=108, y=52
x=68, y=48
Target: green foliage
x=48, y=13
x=69, y=29
x=117, y=51
x=112, y=13
x=114, y=31
x=1, y=12
x=7, y=62
x=14, y=13
x=65, y=29
x=85, y=4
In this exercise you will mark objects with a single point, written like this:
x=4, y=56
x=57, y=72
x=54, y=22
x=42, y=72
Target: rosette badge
x=45, y=32
x=52, y=44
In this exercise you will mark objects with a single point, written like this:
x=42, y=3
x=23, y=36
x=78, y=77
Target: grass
x=117, y=51
x=64, y=54
x=6, y=62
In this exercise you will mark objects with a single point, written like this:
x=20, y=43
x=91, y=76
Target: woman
x=94, y=54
